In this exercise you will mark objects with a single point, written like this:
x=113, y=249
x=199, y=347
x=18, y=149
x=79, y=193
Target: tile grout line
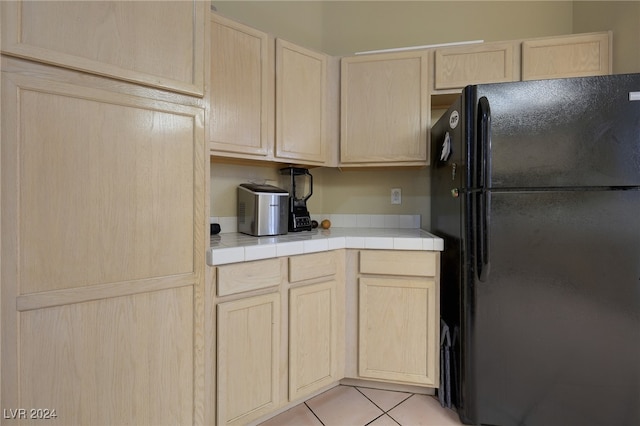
x=312, y=412
x=382, y=409
x=397, y=405
x=376, y=405
x=383, y=414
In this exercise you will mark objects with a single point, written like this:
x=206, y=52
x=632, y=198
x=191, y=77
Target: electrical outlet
x=396, y=196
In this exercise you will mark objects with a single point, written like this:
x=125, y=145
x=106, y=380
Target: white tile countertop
x=236, y=247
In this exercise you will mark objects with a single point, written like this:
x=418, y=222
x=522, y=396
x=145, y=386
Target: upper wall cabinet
x=571, y=56
x=241, y=89
x=384, y=109
x=456, y=67
x=249, y=118
x=159, y=44
x=301, y=93
x=549, y=57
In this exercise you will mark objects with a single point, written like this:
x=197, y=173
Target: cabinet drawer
x=246, y=276
x=310, y=266
x=396, y=262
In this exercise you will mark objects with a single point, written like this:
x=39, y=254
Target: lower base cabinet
x=396, y=327
x=313, y=338
x=282, y=327
x=399, y=317
x=248, y=358
x=279, y=329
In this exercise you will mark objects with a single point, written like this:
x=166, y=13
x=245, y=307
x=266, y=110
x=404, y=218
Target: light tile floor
x=359, y=406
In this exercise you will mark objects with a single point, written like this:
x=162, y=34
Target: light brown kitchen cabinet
x=384, y=109
x=399, y=317
x=249, y=118
x=314, y=322
x=576, y=55
x=289, y=328
x=248, y=358
x=102, y=248
x=301, y=109
x=250, y=335
x=457, y=67
x=241, y=90
x=312, y=338
x=159, y=44
x=280, y=332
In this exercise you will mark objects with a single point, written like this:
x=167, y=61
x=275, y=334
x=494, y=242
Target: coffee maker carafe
x=299, y=183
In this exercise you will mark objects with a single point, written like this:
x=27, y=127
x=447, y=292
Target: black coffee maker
x=299, y=183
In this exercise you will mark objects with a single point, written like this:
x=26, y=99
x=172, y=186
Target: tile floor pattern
x=360, y=406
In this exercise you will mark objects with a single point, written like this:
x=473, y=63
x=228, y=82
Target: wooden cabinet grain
x=241, y=90
x=102, y=248
x=248, y=358
x=301, y=109
x=384, y=109
x=576, y=55
x=250, y=335
x=279, y=334
x=283, y=341
x=268, y=99
x=119, y=360
x=315, y=322
x=399, y=317
x=457, y=67
x=312, y=338
x=159, y=44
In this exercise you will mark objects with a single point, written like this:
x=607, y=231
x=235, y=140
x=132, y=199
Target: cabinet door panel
x=572, y=56
x=105, y=187
x=384, y=109
x=312, y=338
x=102, y=363
x=458, y=67
x=155, y=43
x=301, y=76
x=241, y=93
x=248, y=358
x=398, y=330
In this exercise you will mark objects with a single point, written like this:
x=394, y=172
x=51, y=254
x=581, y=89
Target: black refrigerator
x=535, y=189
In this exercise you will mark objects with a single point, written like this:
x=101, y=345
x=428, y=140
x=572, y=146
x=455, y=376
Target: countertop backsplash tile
x=230, y=224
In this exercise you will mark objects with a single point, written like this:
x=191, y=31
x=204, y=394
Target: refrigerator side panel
x=448, y=171
x=556, y=337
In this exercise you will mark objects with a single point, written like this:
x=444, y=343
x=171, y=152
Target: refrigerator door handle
x=484, y=196
x=483, y=140
x=482, y=236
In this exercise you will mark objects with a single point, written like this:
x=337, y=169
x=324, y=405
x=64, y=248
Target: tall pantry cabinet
x=103, y=216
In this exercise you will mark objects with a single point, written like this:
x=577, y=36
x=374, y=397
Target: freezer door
x=576, y=132
x=555, y=326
